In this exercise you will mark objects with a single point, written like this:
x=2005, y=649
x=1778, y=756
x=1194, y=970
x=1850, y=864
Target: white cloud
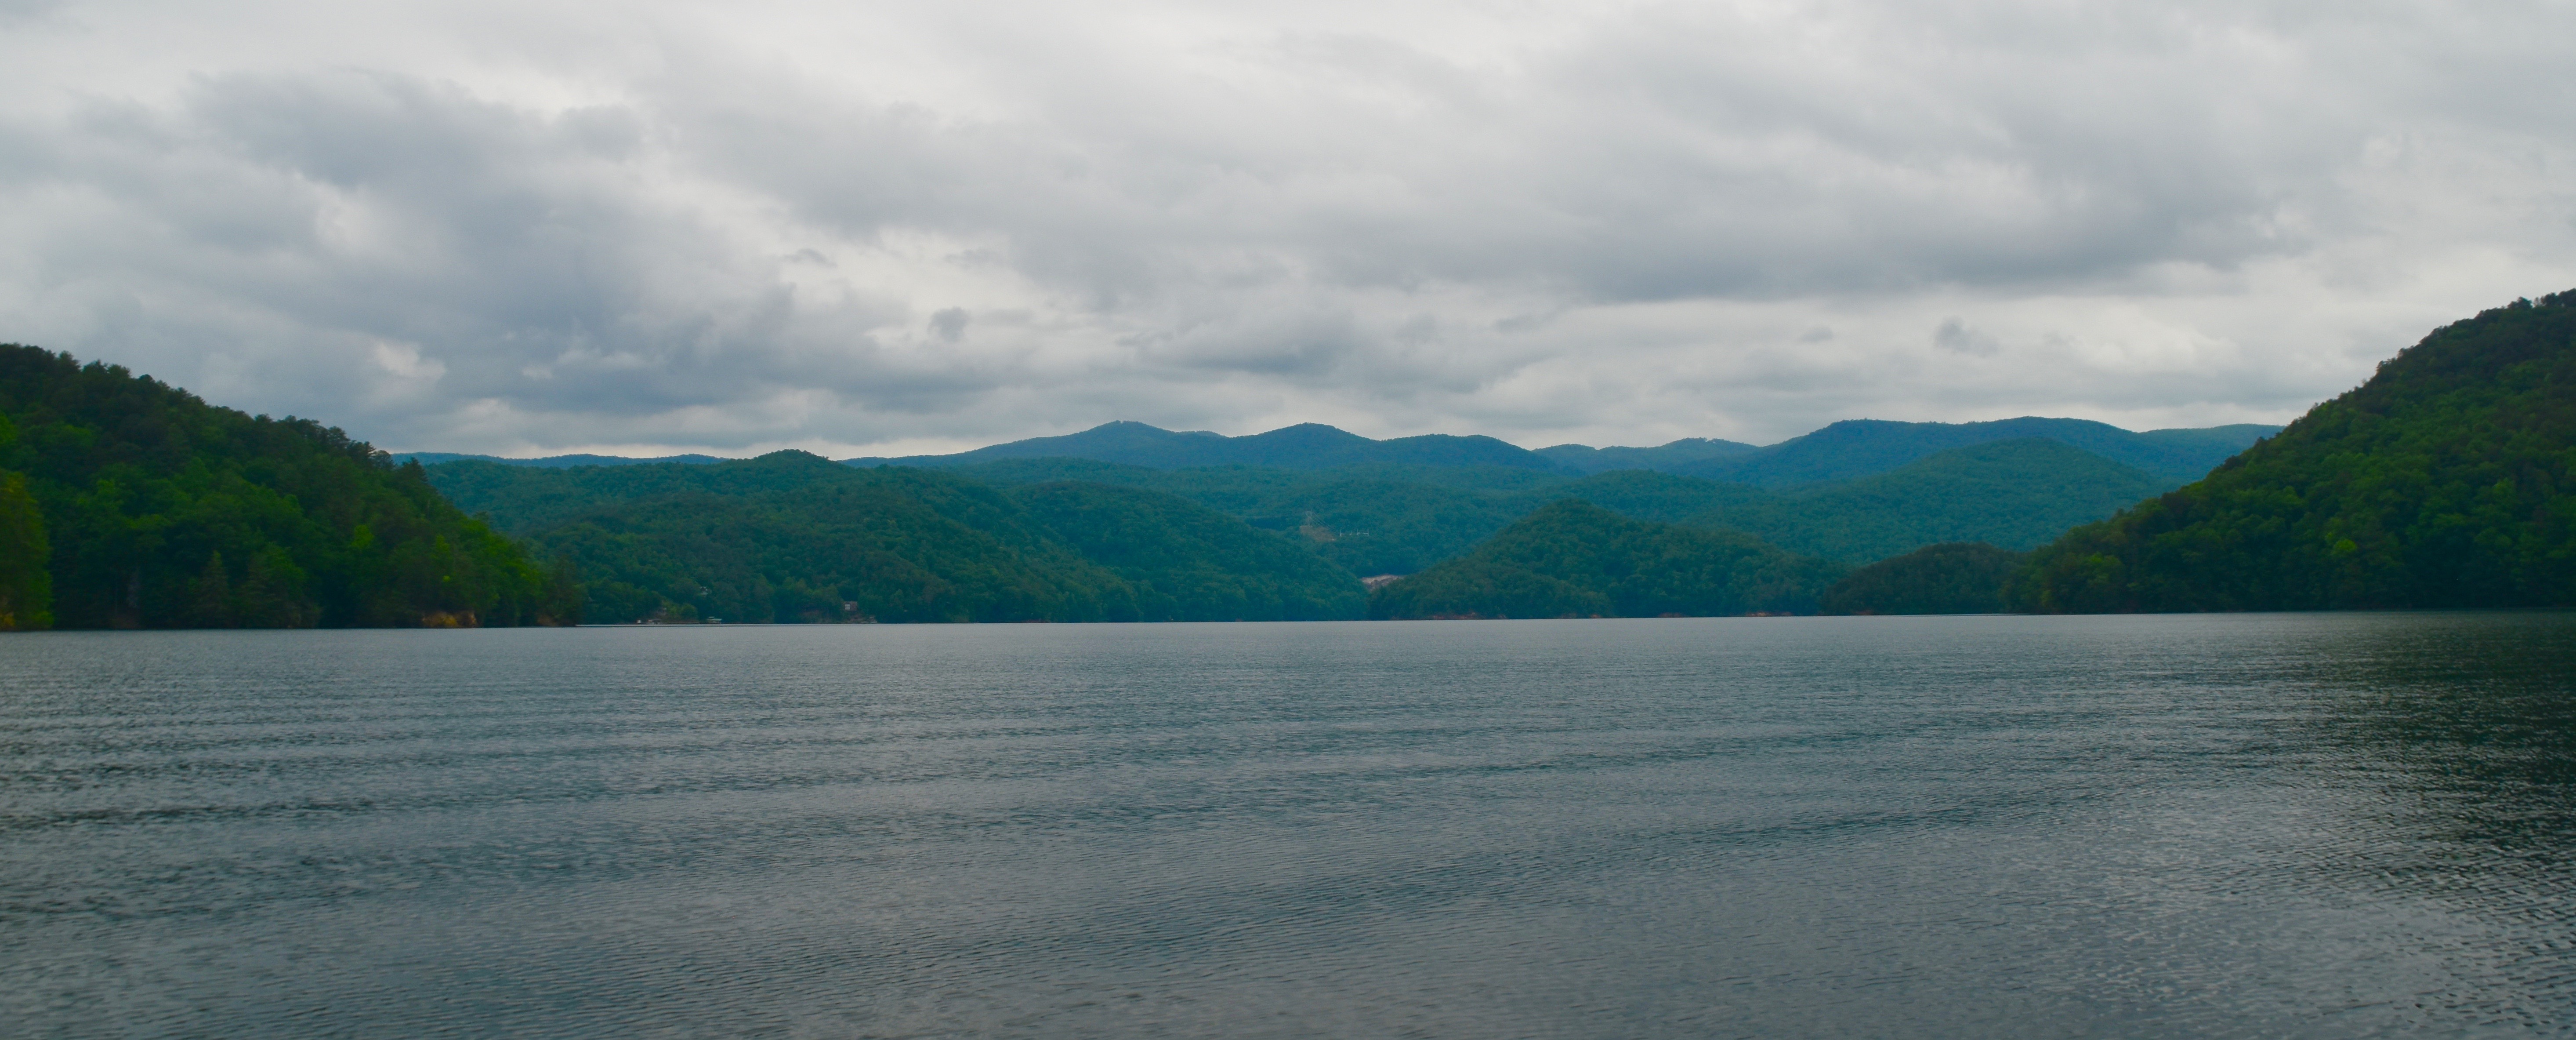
x=559, y=226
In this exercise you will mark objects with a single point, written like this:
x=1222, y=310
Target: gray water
x=2284, y=825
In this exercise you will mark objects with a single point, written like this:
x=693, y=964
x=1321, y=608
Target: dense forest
x=127, y=503
x=1397, y=520
x=1951, y=578
x=2444, y=481
x=1258, y=541
x=793, y=537
x=1575, y=559
x=2018, y=494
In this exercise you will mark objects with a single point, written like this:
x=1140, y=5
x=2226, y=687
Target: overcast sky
x=534, y=227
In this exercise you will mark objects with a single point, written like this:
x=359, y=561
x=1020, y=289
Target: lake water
x=2268, y=825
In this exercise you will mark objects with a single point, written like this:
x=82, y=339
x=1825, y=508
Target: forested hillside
x=1585, y=459
x=1950, y=578
x=2442, y=482
x=1857, y=448
x=1093, y=538
x=150, y=508
x=793, y=537
x=1574, y=559
x=1189, y=562
x=2017, y=494
x=1380, y=519
x=1391, y=520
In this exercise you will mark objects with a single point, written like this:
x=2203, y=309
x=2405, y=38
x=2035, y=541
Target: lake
x=2239, y=825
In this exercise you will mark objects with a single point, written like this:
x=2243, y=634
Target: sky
x=856, y=228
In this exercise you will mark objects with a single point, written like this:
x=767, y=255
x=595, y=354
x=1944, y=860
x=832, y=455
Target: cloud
x=1957, y=338
x=556, y=226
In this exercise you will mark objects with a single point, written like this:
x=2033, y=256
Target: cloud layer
x=544, y=227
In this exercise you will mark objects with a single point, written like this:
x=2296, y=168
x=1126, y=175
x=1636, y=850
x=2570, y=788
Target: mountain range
x=1841, y=451
x=2447, y=480
x=2444, y=481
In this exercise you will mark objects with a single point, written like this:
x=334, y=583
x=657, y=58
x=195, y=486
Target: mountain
x=1191, y=563
x=1303, y=446
x=1861, y=447
x=1574, y=559
x=887, y=547
x=525, y=499
x=2017, y=494
x=794, y=537
x=1586, y=459
x=154, y=509
x=2443, y=481
x=433, y=458
x=1386, y=520
x=1950, y=578
x=1374, y=519
x=1845, y=450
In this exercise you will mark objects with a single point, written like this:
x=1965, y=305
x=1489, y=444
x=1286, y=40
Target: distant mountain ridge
x=1303, y=446
x=432, y=458
x=1586, y=459
x=1861, y=447
x=1842, y=451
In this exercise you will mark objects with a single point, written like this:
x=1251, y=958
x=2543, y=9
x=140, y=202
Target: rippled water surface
x=2291, y=825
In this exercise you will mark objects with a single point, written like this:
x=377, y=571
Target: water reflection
x=2467, y=722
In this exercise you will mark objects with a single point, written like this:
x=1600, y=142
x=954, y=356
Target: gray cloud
x=1956, y=337
x=889, y=227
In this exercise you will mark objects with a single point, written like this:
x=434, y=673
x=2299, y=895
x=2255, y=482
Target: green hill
x=1648, y=495
x=1574, y=559
x=1373, y=519
x=2444, y=481
x=792, y=537
x=1583, y=458
x=1950, y=578
x=1857, y=448
x=1390, y=520
x=526, y=499
x=1191, y=563
x=884, y=547
x=154, y=509
x=2017, y=494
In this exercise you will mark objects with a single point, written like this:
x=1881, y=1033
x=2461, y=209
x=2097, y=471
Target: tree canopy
x=1575, y=559
x=2442, y=482
x=151, y=508
x=1950, y=578
x=2018, y=494
x=792, y=537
